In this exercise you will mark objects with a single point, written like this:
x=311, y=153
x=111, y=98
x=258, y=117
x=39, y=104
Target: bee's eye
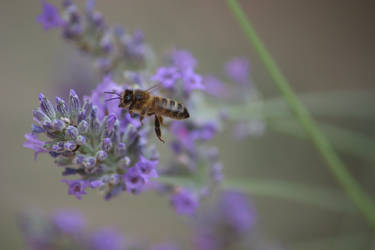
x=127, y=98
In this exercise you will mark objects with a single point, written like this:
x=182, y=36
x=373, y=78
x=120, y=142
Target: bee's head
x=126, y=98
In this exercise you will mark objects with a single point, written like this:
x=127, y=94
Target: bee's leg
x=142, y=116
x=130, y=109
x=160, y=120
x=157, y=128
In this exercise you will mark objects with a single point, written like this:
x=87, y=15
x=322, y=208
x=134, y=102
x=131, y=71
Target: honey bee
x=143, y=103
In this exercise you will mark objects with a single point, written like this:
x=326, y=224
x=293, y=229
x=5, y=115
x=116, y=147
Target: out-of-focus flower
x=192, y=81
x=230, y=220
x=66, y=229
x=214, y=87
x=183, y=60
x=50, y=17
x=107, y=239
x=68, y=221
x=165, y=246
x=236, y=211
x=238, y=70
x=166, y=76
x=184, y=201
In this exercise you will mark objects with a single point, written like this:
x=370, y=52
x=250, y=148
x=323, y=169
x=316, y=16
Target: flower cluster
x=66, y=229
x=179, y=75
x=103, y=146
x=111, y=47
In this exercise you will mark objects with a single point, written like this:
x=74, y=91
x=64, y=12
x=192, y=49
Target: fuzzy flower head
x=50, y=17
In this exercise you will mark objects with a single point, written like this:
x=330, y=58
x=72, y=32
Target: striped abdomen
x=170, y=108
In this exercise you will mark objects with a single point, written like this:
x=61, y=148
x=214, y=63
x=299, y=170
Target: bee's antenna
x=112, y=93
x=111, y=99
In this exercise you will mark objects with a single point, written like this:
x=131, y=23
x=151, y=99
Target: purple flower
x=192, y=81
x=107, y=239
x=182, y=135
x=96, y=184
x=236, y=211
x=238, y=70
x=49, y=17
x=134, y=180
x=147, y=168
x=214, y=87
x=165, y=246
x=205, y=239
x=184, y=201
x=205, y=132
x=76, y=187
x=35, y=144
x=69, y=221
x=183, y=60
x=166, y=76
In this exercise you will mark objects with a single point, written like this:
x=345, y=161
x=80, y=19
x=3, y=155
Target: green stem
x=336, y=165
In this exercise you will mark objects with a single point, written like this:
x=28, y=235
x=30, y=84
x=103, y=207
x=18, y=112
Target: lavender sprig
x=107, y=151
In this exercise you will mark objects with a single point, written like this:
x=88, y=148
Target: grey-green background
x=320, y=46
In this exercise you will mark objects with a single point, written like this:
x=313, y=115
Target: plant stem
x=336, y=165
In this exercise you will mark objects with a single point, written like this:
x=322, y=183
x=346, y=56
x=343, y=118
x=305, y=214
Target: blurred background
x=321, y=46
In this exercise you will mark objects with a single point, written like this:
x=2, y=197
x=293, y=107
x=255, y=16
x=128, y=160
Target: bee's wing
x=154, y=87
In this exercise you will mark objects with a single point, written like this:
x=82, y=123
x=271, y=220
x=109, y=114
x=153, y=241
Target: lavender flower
x=238, y=70
x=165, y=246
x=134, y=180
x=34, y=143
x=102, y=144
x=50, y=17
x=183, y=60
x=184, y=201
x=66, y=229
x=107, y=239
x=88, y=142
x=192, y=81
x=214, y=87
x=166, y=76
x=229, y=221
x=76, y=187
x=68, y=221
x=236, y=211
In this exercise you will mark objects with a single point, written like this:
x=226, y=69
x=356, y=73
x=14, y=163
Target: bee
x=143, y=103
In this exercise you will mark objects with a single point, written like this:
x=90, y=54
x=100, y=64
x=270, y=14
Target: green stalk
x=360, y=199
